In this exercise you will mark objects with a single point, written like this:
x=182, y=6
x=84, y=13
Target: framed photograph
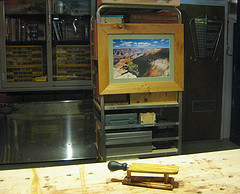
x=139, y=58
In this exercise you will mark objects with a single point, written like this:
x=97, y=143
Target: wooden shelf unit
x=160, y=131
x=136, y=140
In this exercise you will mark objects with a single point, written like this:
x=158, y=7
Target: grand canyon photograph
x=135, y=58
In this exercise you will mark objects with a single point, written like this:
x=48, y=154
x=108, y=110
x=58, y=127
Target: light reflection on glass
x=69, y=137
x=69, y=151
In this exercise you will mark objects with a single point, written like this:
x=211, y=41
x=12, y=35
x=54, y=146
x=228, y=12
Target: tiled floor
x=190, y=147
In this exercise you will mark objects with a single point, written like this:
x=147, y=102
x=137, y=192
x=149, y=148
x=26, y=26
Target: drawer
x=128, y=137
x=129, y=143
x=121, y=119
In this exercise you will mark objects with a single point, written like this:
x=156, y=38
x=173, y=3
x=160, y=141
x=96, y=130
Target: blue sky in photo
x=140, y=43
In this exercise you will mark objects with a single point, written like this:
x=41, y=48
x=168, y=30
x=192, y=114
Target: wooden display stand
x=162, y=97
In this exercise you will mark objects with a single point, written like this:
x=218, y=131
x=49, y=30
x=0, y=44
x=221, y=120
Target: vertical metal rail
x=93, y=68
x=180, y=122
x=235, y=129
x=93, y=7
x=180, y=104
x=2, y=45
x=238, y=11
x=103, y=139
x=49, y=43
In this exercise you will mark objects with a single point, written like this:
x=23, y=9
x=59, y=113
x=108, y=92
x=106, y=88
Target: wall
x=227, y=74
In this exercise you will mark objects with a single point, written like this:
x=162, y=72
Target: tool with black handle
x=165, y=182
x=114, y=165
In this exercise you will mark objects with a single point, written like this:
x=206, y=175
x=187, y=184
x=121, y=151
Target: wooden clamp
x=164, y=182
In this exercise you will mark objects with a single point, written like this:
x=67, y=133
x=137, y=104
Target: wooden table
x=213, y=172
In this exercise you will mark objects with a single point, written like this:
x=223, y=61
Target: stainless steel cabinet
x=45, y=44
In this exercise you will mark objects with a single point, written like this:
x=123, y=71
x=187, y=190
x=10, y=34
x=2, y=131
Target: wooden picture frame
x=108, y=34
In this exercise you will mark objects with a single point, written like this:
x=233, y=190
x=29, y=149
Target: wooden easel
x=164, y=182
